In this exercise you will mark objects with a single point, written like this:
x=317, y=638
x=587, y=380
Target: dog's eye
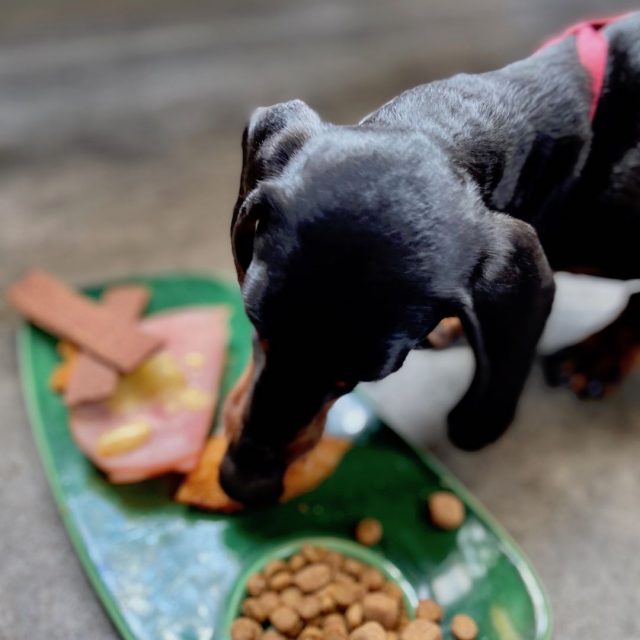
x=341, y=385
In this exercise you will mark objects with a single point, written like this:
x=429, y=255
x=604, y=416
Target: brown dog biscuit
x=56, y=308
x=93, y=380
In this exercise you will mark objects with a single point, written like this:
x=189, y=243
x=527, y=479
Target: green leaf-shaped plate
x=167, y=572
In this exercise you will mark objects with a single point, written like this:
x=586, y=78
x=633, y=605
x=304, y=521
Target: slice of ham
x=173, y=396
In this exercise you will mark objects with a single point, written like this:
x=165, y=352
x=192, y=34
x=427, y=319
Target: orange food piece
x=60, y=376
x=202, y=489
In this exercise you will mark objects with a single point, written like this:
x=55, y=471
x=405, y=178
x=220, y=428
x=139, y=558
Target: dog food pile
x=320, y=594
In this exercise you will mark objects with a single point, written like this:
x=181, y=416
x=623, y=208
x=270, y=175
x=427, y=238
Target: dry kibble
x=286, y=620
x=446, y=510
x=245, y=629
x=335, y=621
x=463, y=627
x=268, y=601
x=256, y=584
x=312, y=577
x=353, y=567
x=311, y=553
x=335, y=560
x=335, y=634
x=382, y=608
x=393, y=590
x=308, y=607
x=346, y=593
x=291, y=596
x=429, y=610
x=372, y=579
x=369, y=631
x=280, y=580
x=297, y=562
x=320, y=594
x=273, y=567
x=272, y=634
x=354, y=615
x=327, y=603
x=311, y=633
x=252, y=608
x=422, y=630
x=369, y=532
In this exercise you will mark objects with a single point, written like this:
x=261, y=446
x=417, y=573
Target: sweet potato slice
x=202, y=489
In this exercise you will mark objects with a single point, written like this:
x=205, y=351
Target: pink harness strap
x=593, y=50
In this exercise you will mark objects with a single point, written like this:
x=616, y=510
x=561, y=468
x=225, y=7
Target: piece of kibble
x=446, y=510
x=308, y=607
x=311, y=553
x=393, y=590
x=256, y=584
x=335, y=621
x=421, y=630
x=353, y=567
x=272, y=634
x=327, y=603
x=429, y=610
x=334, y=633
x=372, y=579
x=369, y=532
x=268, y=601
x=273, y=567
x=464, y=627
x=382, y=608
x=297, y=562
x=311, y=633
x=245, y=629
x=346, y=593
x=312, y=577
x=286, y=620
x=281, y=580
x=354, y=615
x=369, y=631
x=291, y=596
x=252, y=608
x=334, y=559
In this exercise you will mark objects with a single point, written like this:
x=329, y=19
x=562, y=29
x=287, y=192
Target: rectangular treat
x=93, y=380
x=56, y=308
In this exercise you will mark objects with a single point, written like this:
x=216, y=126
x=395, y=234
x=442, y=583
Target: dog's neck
x=522, y=133
x=525, y=162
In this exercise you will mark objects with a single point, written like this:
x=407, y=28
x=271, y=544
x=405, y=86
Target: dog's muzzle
x=253, y=472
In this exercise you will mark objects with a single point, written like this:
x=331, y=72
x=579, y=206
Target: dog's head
x=347, y=259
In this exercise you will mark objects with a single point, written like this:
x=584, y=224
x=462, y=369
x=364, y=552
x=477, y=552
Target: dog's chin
x=251, y=487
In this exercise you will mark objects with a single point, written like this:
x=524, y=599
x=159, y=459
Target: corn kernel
x=124, y=438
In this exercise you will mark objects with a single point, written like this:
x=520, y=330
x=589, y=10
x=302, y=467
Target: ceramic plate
x=168, y=572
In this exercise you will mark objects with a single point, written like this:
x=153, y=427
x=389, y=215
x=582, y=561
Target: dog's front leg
x=503, y=319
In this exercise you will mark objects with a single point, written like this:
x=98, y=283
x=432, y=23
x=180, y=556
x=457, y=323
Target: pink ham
x=174, y=399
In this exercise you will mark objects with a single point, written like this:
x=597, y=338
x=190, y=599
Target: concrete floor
x=119, y=154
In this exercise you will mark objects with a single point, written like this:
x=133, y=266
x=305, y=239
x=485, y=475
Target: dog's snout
x=251, y=484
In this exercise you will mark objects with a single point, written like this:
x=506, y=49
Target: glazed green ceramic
x=167, y=572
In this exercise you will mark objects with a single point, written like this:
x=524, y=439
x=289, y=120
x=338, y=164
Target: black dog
x=457, y=198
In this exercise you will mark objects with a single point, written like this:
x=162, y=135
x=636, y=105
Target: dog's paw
x=596, y=367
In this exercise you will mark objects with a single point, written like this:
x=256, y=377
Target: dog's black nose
x=251, y=485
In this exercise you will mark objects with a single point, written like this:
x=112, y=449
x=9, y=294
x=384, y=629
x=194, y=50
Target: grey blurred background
x=120, y=127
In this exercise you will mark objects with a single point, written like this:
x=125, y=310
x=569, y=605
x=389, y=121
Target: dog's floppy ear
x=271, y=138
x=503, y=313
